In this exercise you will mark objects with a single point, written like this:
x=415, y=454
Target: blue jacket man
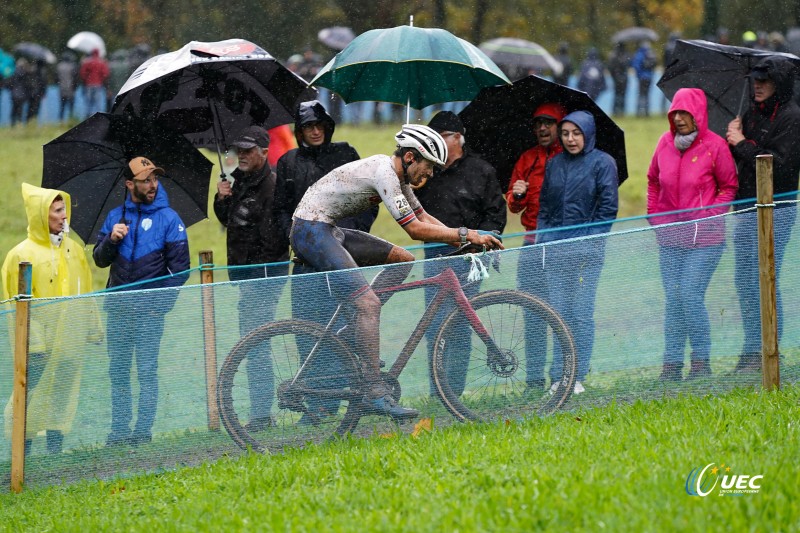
x=143, y=239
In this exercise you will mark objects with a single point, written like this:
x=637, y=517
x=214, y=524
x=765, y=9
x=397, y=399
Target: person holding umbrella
x=143, y=239
x=579, y=194
x=692, y=167
x=246, y=209
x=770, y=126
x=523, y=197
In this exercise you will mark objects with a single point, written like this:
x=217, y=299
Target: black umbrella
x=499, y=122
x=88, y=161
x=35, y=52
x=634, y=33
x=336, y=37
x=720, y=71
x=211, y=91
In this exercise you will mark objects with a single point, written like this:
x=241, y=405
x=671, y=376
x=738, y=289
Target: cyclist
x=350, y=190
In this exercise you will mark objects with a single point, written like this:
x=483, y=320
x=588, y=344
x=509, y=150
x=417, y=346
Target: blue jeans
x=531, y=279
x=133, y=333
x=258, y=300
x=459, y=344
x=685, y=275
x=95, y=99
x=745, y=248
x=572, y=272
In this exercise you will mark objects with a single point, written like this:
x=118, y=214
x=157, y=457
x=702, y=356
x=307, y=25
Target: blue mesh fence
x=284, y=383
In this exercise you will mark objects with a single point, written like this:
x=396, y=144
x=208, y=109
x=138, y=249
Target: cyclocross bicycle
x=304, y=378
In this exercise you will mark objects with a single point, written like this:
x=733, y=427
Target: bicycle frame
x=449, y=288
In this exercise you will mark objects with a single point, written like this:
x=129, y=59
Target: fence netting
x=272, y=395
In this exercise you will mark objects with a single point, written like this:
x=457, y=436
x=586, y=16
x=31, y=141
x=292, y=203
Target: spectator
x=59, y=268
x=749, y=39
x=762, y=41
x=770, y=126
x=281, y=141
x=592, y=79
x=19, y=86
x=618, y=65
x=247, y=211
x=692, y=167
x=310, y=65
x=777, y=42
x=298, y=170
x=579, y=189
x=464, y=193
x=119, y=69
x=724, y=36
x=67, y=74
x=644, y=63
x=523, y=197
x=37, y=88
x=669, y=50
x=94, y=74
x=566, y=62
x=143, y=239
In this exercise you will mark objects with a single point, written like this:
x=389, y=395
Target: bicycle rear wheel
x=293, y=405
x=483, y=384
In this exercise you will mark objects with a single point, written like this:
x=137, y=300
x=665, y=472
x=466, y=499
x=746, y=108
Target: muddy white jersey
x=354, y=188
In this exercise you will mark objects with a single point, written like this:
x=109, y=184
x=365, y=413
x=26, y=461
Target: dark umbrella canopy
x=211, y=91
x=633, y=34
x=499, y=123
x=88, y=162
x=721, y=71
x=35, y=52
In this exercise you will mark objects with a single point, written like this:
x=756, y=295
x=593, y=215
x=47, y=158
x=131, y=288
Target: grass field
x=618, y=467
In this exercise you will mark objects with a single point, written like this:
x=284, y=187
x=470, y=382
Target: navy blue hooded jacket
x=578, y=189
x=156, y=245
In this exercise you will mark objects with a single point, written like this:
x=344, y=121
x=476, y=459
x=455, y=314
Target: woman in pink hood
x=692, y=171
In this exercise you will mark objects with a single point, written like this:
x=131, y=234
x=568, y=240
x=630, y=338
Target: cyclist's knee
x=399, y=255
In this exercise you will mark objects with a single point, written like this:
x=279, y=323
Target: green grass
x=616, y=468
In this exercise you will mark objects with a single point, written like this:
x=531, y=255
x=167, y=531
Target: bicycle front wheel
x=476, y=381
x=272, y=395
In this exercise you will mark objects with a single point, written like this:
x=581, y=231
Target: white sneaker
x=554, y=387
x=578, y=388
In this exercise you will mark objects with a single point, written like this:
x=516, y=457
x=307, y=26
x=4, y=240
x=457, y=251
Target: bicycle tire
x=491, y=393
x=285, y=428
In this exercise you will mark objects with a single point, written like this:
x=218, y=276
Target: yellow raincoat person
x=59, y=330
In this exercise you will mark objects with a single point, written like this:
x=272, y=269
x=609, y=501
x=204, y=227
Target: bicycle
x=493, y=388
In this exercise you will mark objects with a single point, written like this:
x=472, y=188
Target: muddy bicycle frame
x=449, y=288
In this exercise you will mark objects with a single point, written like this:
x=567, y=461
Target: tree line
x=284, y=28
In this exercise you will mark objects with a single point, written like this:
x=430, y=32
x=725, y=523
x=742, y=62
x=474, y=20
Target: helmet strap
x=405, y=167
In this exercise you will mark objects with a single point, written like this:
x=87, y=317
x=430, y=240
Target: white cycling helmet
x=425, y=140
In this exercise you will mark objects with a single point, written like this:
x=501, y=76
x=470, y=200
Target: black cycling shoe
x=385, y=405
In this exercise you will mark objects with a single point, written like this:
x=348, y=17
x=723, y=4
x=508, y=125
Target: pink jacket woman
x=702, y=174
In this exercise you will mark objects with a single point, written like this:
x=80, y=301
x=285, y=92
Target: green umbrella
x=409, y=66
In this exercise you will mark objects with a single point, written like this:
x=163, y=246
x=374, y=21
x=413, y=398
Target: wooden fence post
x=209, y=336
x=20, y=404
x=770, y=362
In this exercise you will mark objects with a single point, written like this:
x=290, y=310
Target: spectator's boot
x=748, y=363
x=671, y=372
x=55, y=441
x=701, y=368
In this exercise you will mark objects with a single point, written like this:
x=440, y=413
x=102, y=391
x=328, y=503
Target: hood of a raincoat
x=782, y=72
x=585, y=121
x=694, y=102
x=313, y=111
x=37, y=206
